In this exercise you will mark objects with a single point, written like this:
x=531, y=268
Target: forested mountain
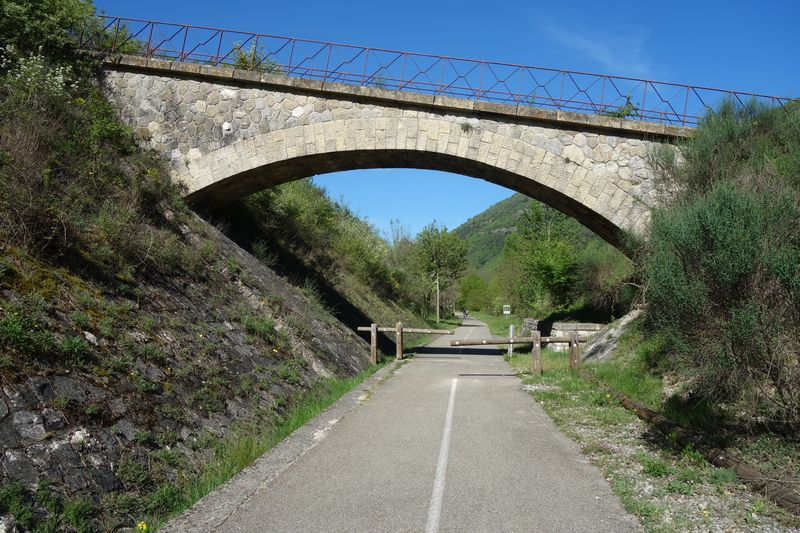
x=485, y=232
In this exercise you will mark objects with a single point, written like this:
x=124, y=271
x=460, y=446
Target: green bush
x=48, y=27
x=256, y=59
x=723, y=276
x=72, y=187
x=261, y=327
x=750, y=145
x=722, y=268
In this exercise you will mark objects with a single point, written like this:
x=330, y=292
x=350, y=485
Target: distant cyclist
x=466, y=314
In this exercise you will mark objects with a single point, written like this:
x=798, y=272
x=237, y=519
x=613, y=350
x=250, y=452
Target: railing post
x=511, y=338
x=398, y=336
x=574, y=351
x=373, y=343
x=536, y=354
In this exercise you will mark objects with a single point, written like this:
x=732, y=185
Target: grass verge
x=498, y=325
x=668, y=489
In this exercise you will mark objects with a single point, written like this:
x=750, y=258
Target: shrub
x=722, y=267
x=70, y=184
x=260, y=326
x=723, y=276
x=47, y=26
x=254, y=59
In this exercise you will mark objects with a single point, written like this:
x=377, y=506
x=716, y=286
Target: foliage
x=441, y=256
x=551, y=263
x=723, y=261
x=72, y=187
x=751, y=145
x=254, y=58
x=441, y=253
x=603, y=276
x=324, y=247
x=46, y=27
x=723, y=276
x=474, y=293
x=624, y=111
x=484, y=233
x=28, y=506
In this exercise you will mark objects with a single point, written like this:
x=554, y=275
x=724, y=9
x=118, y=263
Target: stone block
x=252, y=76
x=220, y=72
x=186, y=67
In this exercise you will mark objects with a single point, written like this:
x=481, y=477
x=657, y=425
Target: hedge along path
x=784, y=492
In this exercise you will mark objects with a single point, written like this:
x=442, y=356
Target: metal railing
x=507, y=83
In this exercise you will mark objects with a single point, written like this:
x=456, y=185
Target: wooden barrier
x=399, y=331
x=536, y=350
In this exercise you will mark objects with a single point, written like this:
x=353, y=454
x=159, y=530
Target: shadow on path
x=455, y=350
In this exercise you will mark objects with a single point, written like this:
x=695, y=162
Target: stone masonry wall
x=215, y=131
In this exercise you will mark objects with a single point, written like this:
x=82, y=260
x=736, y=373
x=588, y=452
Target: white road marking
x=435, y=509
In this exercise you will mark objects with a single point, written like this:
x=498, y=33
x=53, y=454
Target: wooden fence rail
x=536, y=340
x=399, y=331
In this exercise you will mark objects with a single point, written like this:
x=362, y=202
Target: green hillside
x=485, y=232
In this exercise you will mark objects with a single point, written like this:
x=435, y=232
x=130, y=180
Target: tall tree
x=442, y=255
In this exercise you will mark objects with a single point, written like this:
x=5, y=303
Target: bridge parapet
x=249, y=78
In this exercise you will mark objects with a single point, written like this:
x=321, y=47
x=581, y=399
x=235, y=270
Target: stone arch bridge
x=228, y=133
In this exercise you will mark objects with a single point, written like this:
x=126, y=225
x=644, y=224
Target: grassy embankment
x=667, y=488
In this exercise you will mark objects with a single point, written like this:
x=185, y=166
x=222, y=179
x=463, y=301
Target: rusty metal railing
x=582, y=92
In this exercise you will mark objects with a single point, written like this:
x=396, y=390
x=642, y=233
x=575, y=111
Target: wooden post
x=511, y=338
x=574, y=351
x=536, y=354
x=398, y=340
x=373, y=343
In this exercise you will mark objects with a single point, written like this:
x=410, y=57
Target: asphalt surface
x=449, y=443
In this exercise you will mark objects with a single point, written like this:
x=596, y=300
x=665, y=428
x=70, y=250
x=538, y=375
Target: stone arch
x=561, y=173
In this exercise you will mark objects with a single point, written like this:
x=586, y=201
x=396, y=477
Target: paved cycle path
x=449, y=443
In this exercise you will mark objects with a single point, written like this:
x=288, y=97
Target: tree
x=46, y=27
x=474, y=292
x=442, y=255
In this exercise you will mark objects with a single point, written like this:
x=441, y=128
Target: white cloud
x=620, y=51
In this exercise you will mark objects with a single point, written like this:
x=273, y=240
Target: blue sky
x=733, y=44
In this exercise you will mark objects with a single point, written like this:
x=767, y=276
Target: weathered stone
x=104, y=478
x=9, y=438
x=574, y=154
x=41, y=388
x=29, y=425
x=19, y=396
x=53, y=419
x=69, y=388
x=90, y=338
x=76, y=478
x=125, y=429
x=17, y=466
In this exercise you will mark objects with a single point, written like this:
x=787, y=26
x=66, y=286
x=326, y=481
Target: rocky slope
x=116, y=393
